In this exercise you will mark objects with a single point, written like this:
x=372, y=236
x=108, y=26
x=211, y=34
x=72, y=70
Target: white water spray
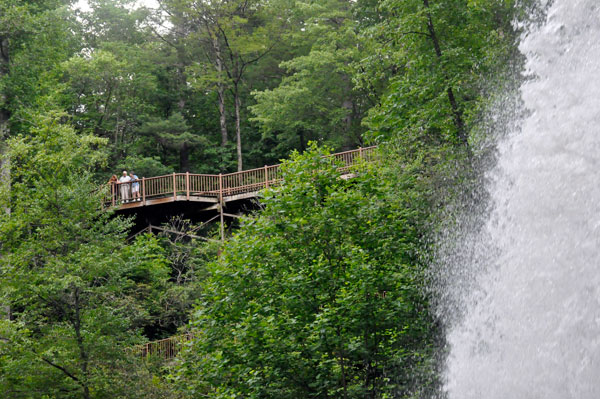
x=530, y=323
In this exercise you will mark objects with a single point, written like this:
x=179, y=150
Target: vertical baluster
x=187, y=186
x=266, y=177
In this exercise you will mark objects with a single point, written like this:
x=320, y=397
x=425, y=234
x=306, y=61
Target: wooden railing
x=217, y=186
x=165, y=349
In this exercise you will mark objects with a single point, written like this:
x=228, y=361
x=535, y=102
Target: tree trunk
x=184, y=151
x=184, y=158
x=4, y=117
x=4, y=133
x=181, y=76
x=238, y=129
x=4, y=161
x=342, y=365
x=222, y=117
x=302, y=140
x=221, y=93
x=457, y=114
x=350, y=140
x=83, y=355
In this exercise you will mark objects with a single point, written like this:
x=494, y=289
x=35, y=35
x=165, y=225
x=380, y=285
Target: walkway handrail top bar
x=208, y=187
x=244, y=171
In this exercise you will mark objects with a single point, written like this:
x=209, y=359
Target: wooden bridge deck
x=212, y=190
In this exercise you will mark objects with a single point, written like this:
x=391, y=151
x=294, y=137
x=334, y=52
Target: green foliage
x=173, y=133
x=318, y=296
x=108, y=93
x=38, y=36
x=316, y=99
x=114, y=21
x=144, y=166
x=67, y=280
x=474, y=40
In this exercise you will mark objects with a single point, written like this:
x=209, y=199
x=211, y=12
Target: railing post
x=144, y=191
x=220, y=187
x=221, y=207
x=266, y=177
x=360, y=153
x=174, y=187
x=187, y=186
x=113, y=193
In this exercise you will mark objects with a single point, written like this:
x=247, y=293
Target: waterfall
x=526, y=285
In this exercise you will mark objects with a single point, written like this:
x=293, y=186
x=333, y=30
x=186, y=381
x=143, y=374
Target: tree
x=440, y=53
x=65, y=274
x=232, y=36
x=316, y=100
x=33, y=39
x=174, y=133
x=170, y=303
x=316, y=297
x=110, y=93
x=114, y=21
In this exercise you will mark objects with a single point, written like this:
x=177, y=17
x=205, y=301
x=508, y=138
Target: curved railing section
x=186, y=185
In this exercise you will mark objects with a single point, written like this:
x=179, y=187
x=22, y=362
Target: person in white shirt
x=125, y=188
x=135, y=187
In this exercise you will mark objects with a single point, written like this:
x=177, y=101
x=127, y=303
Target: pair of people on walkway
x=129, y=187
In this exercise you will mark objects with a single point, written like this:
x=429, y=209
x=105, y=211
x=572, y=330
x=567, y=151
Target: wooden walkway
x=165, y=349
x=213, y=190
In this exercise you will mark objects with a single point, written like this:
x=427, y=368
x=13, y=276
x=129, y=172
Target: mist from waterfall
x=521, y=292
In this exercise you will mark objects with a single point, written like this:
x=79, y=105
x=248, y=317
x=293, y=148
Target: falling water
x=529, y=286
